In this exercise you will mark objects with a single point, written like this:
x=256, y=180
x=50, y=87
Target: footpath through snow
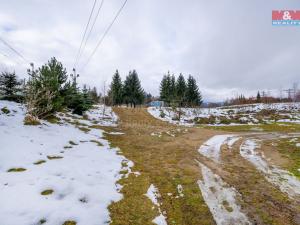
x=212, y=148
x=221, y=199
x=54, y=173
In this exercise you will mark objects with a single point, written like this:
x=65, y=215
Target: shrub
x=31, y=120
x=162, y=114
x=205, y=120
x=224, y=120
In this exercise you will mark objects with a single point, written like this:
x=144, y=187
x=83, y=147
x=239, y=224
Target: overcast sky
x=229, y=46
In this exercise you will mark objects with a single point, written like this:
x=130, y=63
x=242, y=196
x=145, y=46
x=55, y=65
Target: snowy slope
x=80, y=168
x=231, y=115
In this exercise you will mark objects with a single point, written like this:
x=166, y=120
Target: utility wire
x=105, y=33
x=6, y=56
x=85, y=30
x=14, y=50
x=91, y=29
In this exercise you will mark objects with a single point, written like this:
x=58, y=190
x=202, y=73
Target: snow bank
x=212, y=148
x=281, y=178
x=221, y=199
x=80, y=168
x=153, y=194
x=231, y=115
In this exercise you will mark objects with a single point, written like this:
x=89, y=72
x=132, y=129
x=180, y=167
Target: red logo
x=286, y=15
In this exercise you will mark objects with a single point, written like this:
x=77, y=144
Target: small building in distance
x=156, y=104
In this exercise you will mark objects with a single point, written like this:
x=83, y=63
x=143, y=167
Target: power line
x=105, y=33
x=91, y=29
x=14, y=50
x=85, y=30
x=6, y=56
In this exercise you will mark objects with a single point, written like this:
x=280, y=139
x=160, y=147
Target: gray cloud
x=229, y=46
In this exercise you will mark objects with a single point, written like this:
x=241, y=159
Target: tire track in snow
x=220, y=198
x=212, y=147
x=286, y=182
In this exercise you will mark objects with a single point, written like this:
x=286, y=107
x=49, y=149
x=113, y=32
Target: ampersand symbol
x=286, y=15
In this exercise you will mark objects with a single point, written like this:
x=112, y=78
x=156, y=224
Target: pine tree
x=258, y=98
x=180, y=90
x=163, y=89
x=10, y=86
x=193, y=96
x=49, y=90
x=172, y=90
x=116, y=89
x=133, y=92
x=168, y=88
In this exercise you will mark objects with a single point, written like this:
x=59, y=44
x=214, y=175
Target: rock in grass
x=16, y=170
x=47, y=192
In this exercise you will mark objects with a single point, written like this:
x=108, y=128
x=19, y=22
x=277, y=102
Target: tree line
x=49, y=89
x=180, y=92
x=129, y=92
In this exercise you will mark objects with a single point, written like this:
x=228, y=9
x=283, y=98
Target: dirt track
x=166, y=161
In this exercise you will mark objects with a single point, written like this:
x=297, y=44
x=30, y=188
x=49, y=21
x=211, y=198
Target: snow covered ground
x=231, y=115
x=281, y=178
x=54, y=173
x=221, y=199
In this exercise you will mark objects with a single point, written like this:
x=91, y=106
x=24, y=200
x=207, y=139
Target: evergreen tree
x=133, y=92
x=258, y=98
x=180, y=89
x=116, y=89
x=193, y=96
x=10, y=86
x=172, y=90
x=168, y=88
x=163, y=89
x=48, y=91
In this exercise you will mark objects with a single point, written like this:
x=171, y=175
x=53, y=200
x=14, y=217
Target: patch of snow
x=102, y=115
x=286, y=182
x=221, y=199
x=180, y=190
x=83, y=180
x=116, y=133
x=298, y=145
x=153, y=194
x=232, y=140
x=211, y=148
x=160, y=220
